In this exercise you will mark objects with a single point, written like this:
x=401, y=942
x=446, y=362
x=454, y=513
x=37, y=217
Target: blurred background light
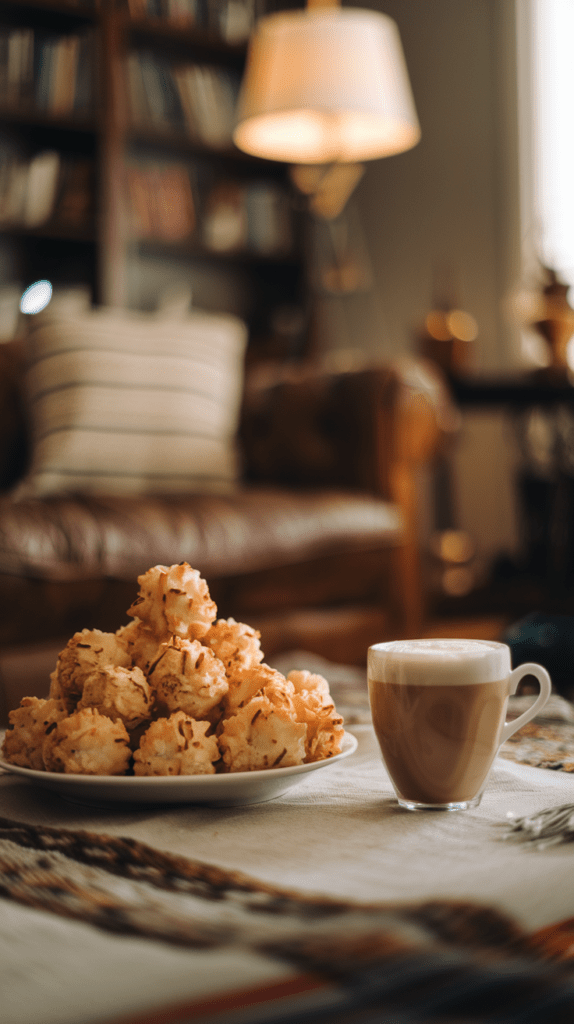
x=553, y=71
x=36, y=297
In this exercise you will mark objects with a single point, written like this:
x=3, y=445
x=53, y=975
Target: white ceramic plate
x=214, y=790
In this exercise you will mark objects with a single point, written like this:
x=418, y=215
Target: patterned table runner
x=390, y=962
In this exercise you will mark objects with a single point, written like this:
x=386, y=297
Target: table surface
x=338, y=833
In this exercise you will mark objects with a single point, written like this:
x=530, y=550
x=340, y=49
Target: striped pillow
x=127, y=403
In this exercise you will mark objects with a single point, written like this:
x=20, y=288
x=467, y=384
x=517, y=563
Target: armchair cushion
x=127, y=403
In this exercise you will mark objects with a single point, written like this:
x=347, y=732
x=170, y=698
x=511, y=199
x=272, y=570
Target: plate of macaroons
x=232, y=790
x=176, y=706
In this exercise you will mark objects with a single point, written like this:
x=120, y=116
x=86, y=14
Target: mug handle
x=528, y=669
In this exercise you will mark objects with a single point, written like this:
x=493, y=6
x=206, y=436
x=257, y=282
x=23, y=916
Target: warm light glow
x=535, y=351
x=458, y=582
x=36, y=297
x=462, y=325
x=325, y=85
x=315, y=137
x=455, y=546
x=436, y=325
x=454, y=324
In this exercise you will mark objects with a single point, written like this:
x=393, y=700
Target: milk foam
x=434, y=662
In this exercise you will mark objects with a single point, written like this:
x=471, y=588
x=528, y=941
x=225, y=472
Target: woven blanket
x=126, y=886
x=422, y=960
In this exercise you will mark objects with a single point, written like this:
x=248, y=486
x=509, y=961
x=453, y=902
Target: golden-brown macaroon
x=314, y=706
x=123, y=694
x=246, y=682
x=176, y=746
x=87, y=743
x=325, y=729
x=174, y=601
x=85, y=652
x=262, y=734
x=235, y=644
x=311, y=682
x=141, y=644
x=29, y=724
x=188, y=677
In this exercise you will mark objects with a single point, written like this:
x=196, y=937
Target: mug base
x=454, y=805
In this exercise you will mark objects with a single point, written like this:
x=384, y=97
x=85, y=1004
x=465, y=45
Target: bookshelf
x=48, y=143
x=117, y=167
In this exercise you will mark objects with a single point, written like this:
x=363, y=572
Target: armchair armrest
x=368, y=429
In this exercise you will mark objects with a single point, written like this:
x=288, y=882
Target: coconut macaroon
x=310, y=682
x=87, y=743
x=325, y=728
x=85, y=652
x=245, y=683
x=314, y=705
x=28, y=726
x=123, y=694
x=141, y=644
x=236, y=644
x=188, y=677
x=176, y=746
x=262, y=734
x=174, y=601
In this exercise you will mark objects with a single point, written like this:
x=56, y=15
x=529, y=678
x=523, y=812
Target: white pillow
x=128, y=403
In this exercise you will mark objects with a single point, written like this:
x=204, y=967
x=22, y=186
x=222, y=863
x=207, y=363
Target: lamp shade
x=324, y=85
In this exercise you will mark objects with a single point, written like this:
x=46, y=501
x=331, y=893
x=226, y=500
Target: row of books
x=171, y=202
x=43, y=188
x=230, y=20
x=194, y=98
x=51, y=72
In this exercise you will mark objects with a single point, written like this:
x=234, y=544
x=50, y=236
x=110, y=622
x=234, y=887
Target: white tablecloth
x=338, y=832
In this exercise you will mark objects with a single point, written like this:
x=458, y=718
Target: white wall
x=452, y=202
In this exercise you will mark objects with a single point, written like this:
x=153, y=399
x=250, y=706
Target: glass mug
x=439, y=710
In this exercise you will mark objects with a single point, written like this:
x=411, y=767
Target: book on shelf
x=182, y=12
x=74, y=203
x=13, y=173
x=137, y=98
x=268, y=218
x=251, y=217
x=208, y=97
x=235, y=20
x=84, y=90
x=43, y=188
x=138, y=9
x=175, y=202
x=43, y=171
x=17, y=64
x=62, y=90
x=50, y=71
x=161, y=201
x=153, y=93
x=225, y=218
x=230, y=20
x=195, y=98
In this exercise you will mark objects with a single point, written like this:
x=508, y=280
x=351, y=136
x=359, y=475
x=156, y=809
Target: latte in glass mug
x=439, y=710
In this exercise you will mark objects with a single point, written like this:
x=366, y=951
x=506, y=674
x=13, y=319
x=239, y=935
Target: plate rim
x=350, y=743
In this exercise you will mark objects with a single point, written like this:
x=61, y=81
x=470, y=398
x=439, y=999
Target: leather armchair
x=318, y=546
